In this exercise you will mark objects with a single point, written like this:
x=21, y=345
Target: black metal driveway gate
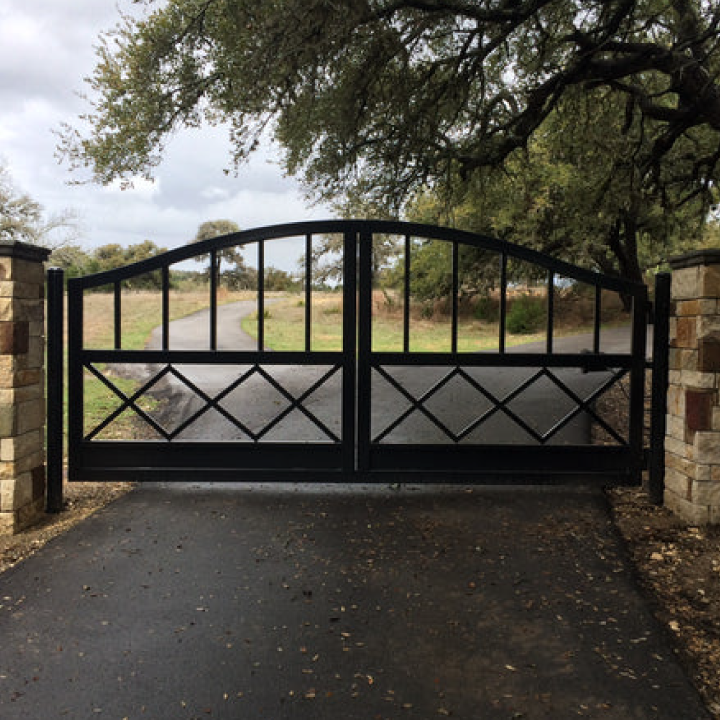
x=463, y=413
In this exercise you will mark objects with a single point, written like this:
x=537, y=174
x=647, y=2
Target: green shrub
x=526, y=315
x=427, y=311
x=486, y=309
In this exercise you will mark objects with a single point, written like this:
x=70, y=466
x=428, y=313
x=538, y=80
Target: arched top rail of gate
x=364, y=230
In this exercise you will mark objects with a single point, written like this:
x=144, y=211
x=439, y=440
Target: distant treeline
x=78, y=262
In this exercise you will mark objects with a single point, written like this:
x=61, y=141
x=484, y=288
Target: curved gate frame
x=354, y=456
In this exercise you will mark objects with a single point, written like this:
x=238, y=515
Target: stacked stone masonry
x=22, y=396
x=692, y=444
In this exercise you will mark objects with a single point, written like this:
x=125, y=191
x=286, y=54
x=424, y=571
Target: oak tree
x=402, y=94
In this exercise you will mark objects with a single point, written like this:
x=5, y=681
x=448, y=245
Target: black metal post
x=166, y=308
x=597, y=317
x=55, y=327
x=637, y=384
x=75, y=376
x=660, y=368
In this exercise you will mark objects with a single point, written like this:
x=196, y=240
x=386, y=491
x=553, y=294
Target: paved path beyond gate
x=254, y=602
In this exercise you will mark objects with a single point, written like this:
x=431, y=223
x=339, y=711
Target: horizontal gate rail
x=203, y=357
x=502, y=463
x=206, y=461
x=582, y=361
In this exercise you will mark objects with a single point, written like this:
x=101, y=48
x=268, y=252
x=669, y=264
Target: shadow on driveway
x=287, y=602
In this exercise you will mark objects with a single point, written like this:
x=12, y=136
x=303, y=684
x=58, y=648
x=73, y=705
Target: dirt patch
x=678, y=568
x=81, y=501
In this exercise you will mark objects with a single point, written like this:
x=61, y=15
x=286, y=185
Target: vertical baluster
x=637, y=382
x=406, y=296
x=503, y=302
x=308, y=292
x=166, y=308
x=364, y=352
x=213, y=298
x=550, y=310
x=261, y=295
x=455, y=289
x=597, y=318
x=350, y=400
x=117, y=315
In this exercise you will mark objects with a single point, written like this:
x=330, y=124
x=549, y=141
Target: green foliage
x=19, y=213
x=78, y=262
x=526, y=315
x=427, y=311
x=22, y=219
x=486, y=309
x=396, y=92
x=327, y=258
x=267, y=315
x=431, y=270
x=215, y=228
x=73, y=259
x=237, y=275
x=604, y=114
x=280, y=280
x=577, y=193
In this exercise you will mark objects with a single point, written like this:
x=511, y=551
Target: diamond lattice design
x=213, y=402
x=499, y=404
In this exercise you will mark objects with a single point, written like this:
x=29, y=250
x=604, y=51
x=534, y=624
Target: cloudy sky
x=46, y=49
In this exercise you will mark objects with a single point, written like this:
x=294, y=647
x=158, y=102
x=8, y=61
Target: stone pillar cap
x=709, y=256
x=24, y=251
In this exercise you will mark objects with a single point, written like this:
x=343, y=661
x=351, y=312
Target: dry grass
x=141, y=313
x=430, y=325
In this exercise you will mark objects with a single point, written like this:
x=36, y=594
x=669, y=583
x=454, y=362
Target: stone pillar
x=22, y=396
x=692, y=444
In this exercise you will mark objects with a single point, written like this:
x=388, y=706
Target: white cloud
x=46, y=49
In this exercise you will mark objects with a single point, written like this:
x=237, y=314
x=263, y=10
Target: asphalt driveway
x=344, y=603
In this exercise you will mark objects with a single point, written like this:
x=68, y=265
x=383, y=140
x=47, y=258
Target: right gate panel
x=536, y=374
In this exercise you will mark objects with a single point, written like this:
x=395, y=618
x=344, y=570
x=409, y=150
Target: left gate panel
x=211, y=392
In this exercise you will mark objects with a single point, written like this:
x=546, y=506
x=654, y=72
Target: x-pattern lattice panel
x=484, y=404
x=213, y=401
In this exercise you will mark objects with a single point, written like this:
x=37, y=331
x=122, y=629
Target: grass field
x=141, y=313
x=285, y=327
